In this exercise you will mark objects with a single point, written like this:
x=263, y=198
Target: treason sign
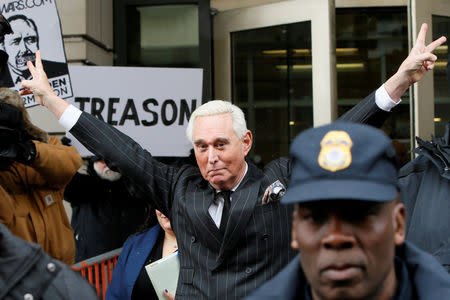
x=151, y=105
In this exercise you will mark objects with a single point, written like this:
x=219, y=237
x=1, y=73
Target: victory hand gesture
x=419, y=61
x=40, y=87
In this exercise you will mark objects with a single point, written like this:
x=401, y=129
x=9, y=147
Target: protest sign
x=35, y=25
x=151, y=105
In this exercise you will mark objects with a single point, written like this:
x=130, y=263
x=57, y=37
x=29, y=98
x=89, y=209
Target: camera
x=10, y=124
x=9, y=136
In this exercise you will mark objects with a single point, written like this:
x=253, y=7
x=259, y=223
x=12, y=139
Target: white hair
x=106, y=173
x=218, y=107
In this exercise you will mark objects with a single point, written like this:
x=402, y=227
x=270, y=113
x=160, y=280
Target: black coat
x=427, y=279
x=425, y=184
x=26, y=269
x=104, y=213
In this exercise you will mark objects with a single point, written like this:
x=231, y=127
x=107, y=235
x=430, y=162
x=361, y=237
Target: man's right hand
x=419, y=61
x=40, y=87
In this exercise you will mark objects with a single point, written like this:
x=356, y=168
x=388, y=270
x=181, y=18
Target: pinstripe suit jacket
x=256, y=243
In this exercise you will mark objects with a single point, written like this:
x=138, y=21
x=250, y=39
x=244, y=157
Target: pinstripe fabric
x=366, y=112
x=256, y=244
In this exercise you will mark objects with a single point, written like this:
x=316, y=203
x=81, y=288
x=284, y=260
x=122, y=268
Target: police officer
x=349, y=225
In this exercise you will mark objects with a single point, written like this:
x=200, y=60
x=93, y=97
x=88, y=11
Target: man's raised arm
x=105, y=141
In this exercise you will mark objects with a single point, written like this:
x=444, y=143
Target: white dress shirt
x=216, y=208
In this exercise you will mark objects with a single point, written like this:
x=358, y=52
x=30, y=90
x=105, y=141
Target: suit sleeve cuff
x=70, y=117
x=383, y=100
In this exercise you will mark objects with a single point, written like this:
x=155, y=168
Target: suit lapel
x=243, y=203
x=200, y=199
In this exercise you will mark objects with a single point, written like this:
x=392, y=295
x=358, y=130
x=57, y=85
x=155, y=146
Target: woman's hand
x=169, y=295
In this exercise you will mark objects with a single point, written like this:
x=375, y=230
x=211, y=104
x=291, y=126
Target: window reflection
x=272, y=76
x=441, y=74
x=163, y=36
x=272, y=83
x=378, y=40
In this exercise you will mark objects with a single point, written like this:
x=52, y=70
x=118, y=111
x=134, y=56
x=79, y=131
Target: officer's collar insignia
x=335, y=151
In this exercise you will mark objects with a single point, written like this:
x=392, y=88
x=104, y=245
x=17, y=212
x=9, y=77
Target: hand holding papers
x=163, y=274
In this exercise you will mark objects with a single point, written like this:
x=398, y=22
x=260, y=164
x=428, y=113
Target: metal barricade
x=98, y=270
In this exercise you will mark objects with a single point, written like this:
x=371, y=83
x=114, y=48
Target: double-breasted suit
x=256, y=242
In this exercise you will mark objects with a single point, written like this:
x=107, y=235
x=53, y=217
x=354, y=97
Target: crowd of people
x=338, y=219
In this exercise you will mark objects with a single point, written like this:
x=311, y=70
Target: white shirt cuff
x=70, y=117
x=383, y=100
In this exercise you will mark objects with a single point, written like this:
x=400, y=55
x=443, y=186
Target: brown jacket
x=31, y=198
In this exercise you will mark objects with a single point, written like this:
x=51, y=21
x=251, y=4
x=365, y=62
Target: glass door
x=431, y=96
x=280, y=70
x=272, y=83
x=441, y=27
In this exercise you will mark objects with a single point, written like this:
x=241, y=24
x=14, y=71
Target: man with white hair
x=232, y=231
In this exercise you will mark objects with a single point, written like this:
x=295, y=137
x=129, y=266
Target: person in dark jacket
x=425, y=184
x=26, y=272
x=349, y=225
x=104, y=211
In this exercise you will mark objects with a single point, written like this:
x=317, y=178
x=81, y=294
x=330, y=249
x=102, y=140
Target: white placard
x=163, y=274
x=35, y=25
x=151, y=105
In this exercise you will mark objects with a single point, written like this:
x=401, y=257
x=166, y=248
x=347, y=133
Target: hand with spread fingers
x=419, y=61
x=40, y=87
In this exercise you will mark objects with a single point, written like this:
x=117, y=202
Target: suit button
x=193, y=239
x=51, y=267
x=28, y=296
x=265, y=237
x=248, y=270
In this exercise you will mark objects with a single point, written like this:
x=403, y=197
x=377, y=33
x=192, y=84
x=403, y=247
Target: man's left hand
x=419, y=61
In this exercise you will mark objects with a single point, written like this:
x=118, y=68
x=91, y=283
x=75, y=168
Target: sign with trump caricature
x=35, y=25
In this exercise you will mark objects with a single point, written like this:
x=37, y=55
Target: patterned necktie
x=226, y=210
